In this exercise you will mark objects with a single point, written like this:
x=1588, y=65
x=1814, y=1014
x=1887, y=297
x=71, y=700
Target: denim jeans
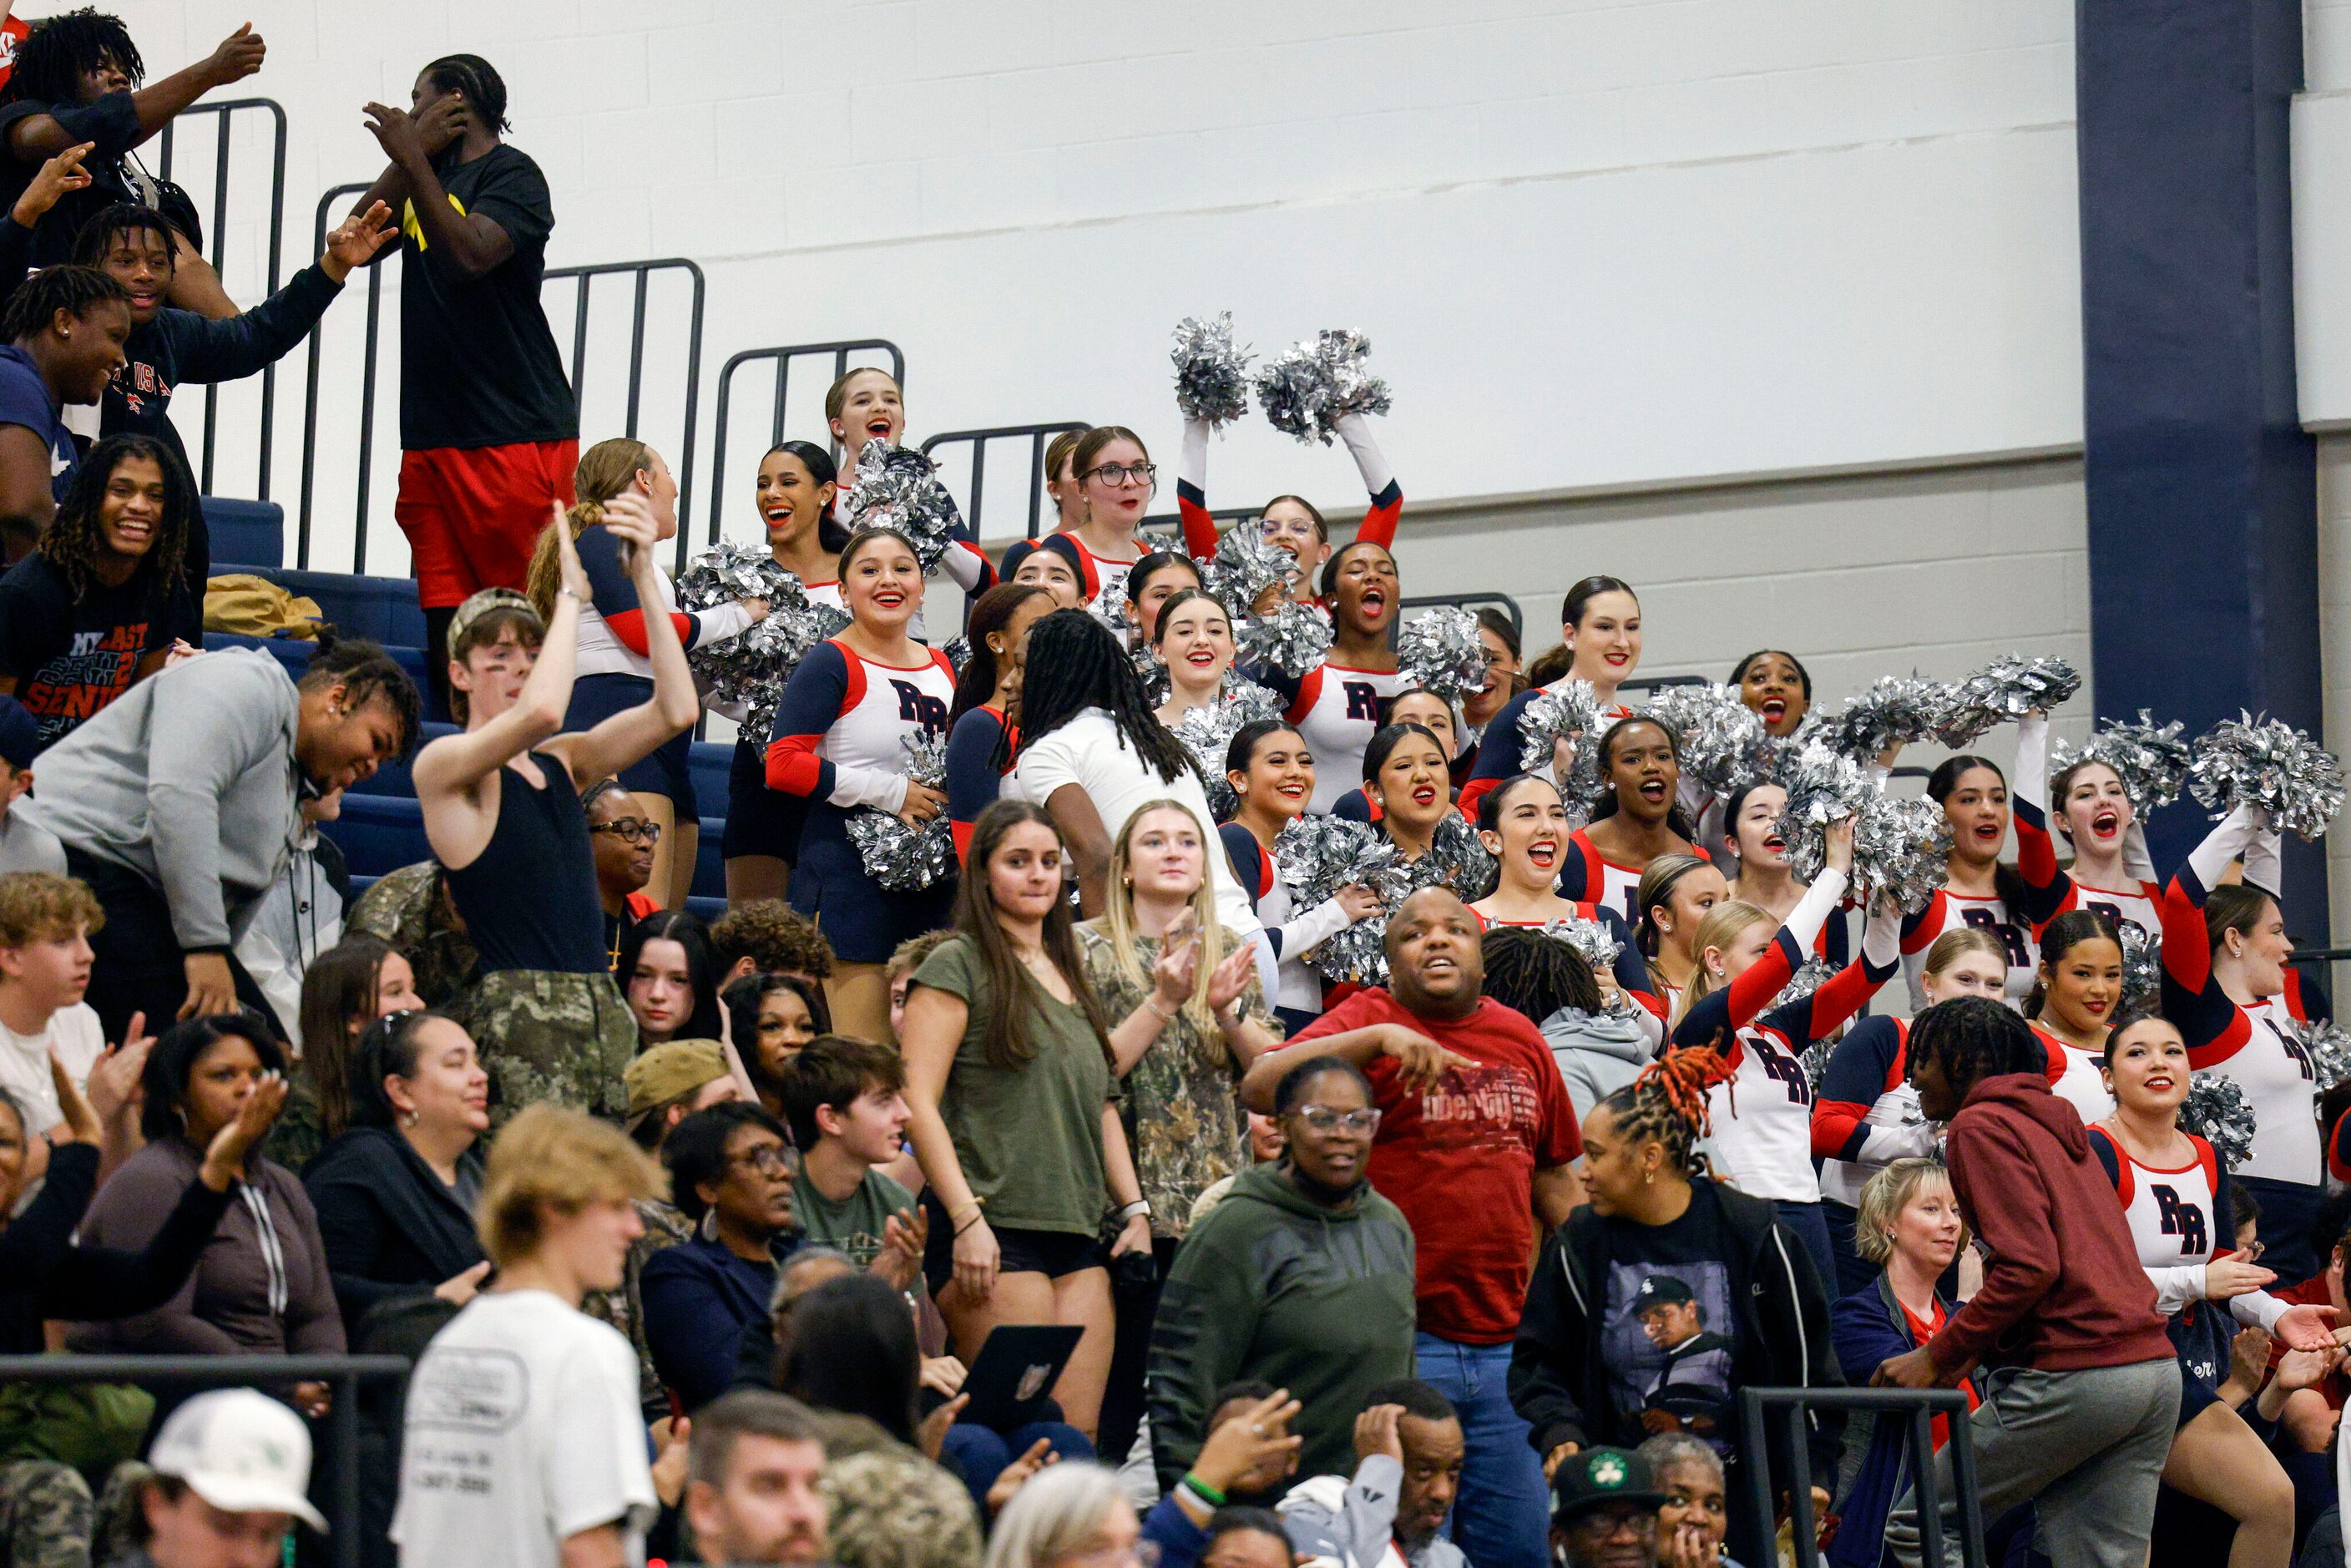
x=1502, y=1517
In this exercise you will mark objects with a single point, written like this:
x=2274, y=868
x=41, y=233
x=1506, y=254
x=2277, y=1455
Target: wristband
x=955, y=1216
x=1140, y=1206
x=1203, y=1491
x=1151, y=1006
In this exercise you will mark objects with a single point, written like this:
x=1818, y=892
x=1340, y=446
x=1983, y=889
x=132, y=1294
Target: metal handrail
x=1039, y=437
x=1921, y=1406
x=228, y=110
x=341, y=1373
x=783, y=354
x=367, y=402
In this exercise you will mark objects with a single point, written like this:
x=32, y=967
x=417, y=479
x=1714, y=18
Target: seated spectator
x=178, y=803
x=395, y=1195
x=556, y=1470
x=357, y=982
x=262, y=1287
x=905, y=959
x=768, y=937
x=845, y=1101
x=1605, y=1510
x=1409, y=1454
x=45, y=1024
x=753, y=1474
x=1248, y=1460
x=886, y=1506
x=1694, y=1518
x=1069, y=1515
x=670, y=1082
x=2307, y=1414
x=63, y=331
x=666, y=970
x=623, y=841
x=773, y=1017
x=230, y=1473
x=299, y=917
x=731, y=1173
x=409, y=911
x=25, y=844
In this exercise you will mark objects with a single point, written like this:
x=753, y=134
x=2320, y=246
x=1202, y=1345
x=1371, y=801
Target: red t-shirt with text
x=1459, y=1160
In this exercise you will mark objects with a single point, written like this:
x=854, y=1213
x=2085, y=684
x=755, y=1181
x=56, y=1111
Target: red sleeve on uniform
x=1199, y=527
x=1379, y=524
x=1309, y=691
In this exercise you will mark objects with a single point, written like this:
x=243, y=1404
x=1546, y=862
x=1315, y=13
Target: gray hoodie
x=1598, y=1053
x=1334, y=1524
x=189, y=779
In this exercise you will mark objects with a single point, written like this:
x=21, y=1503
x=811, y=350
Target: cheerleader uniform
x=973, y=782
x=2179, y=1220
x=2141, y=905
x=615, y=671
x=1379, y=524
x=1946, y=911
x=2253, y=1047
x=965, y=563
x=1501, y=747
x=1866, y=1117
x=1588, y=876
x=1095, y=572
x=1763, y=1114
x=760, y=820
x=1337, y=710
x=836, y=743
x=1290, y=932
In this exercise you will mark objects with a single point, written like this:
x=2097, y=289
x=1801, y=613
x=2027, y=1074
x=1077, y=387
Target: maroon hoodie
x=2062, y=1286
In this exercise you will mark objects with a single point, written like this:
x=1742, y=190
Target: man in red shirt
x=1477, y=1140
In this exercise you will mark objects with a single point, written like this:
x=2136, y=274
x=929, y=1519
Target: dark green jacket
x=1272, y=1285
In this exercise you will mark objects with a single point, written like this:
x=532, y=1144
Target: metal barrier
x=218, y=234
x=341, y=1373
x=642, y=271
x=1919, y=1405
x=367, y=399
x=783, y=356
x=1039, y=437
x=1659, y=683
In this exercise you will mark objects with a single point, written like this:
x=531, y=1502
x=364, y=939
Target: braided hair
x=367, y=674
x=95, y=238
x=64, y=48
x=72, y=289
x=485, y=90
x=1537, y=975
x=1668, y=1103
x=1075, y=664
x=77, y=538
x=1974, y=1038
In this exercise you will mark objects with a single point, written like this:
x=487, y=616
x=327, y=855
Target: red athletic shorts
x=473, y=513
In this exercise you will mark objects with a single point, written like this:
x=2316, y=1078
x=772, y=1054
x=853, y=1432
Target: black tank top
x=530, y=898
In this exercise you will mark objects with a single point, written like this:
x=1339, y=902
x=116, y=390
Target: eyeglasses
x=1114, y=474
x=1323, y=1119
x=630, y=828
x=767, y=1159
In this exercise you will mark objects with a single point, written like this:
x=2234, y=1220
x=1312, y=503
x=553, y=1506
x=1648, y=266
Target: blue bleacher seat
x=393, y=778
x=252, y=532
x=381, y=609
x=704, y=909
x=293, y=652
x=709, y=868
x=707, y=765
x=380, y=833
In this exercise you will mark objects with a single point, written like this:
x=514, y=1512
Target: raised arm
x=1379, y=524
x=633, y=734
x=2036, y=849
x=1192, y=492
x=1741, y=1002
x=471, y=243
x=120, y=121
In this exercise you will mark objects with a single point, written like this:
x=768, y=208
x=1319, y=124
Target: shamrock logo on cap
x=1607, y=1470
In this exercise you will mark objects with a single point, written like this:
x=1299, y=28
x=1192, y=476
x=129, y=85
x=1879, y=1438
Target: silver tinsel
x=1208, y=733
x=900, y=858
x=751, y=668
x=2216, y=1109
x=1245, y=566
x=2142, y=968
x=1815, y=1060
x=2151, y=760
x=2329, y=1050
x=1317, y=856
x=1305, y=388
x=1568, y=711
x=1439, y=649
x=1823, y=786
x=898, y=488
x=1815, y=973
x=1900, y=847
x=1211, y=375
x=958, y=651
x=1109, y=608
x=2268, y=763
x=1457, y=860
x=1292, y=639
x=1901, y=709
x=1723, y=742
x=2006, y=689
x=1596, y=942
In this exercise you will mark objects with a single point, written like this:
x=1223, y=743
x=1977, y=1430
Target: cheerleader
x=2174, y=1194
x=1153, y=580
x=1523, y=825
x=867, y=406
x=836, y=742
x=1638, y=818
x=615, y=671
x=1978, y=889
x=1342, y=702
x=2079, y=987
x=2111, y=871
x=1405, y=777
x=796, y=489
x=1115, y=479
x=1751, y=820
x=1499, y=641
x=978, y=717
x=1291, y=522
x=1192, y=637
x=1600, y=631
x=1414, y=705
x=1762, y=1112
x=2224, y=957
x=1052, y=572
x=1776, y=688
x=1670, y=901
x=1271, y=772
x=1062, y=480
x=1866, y=1115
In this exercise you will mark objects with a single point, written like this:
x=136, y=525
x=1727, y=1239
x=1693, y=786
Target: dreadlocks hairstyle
x=1537, y=975
x=76, y=539
x=64, y=48
x=1074, y=663
x=99, y=236
x=1668, y=1103
x=72, y=289
x=1605, y=804
x=1972, y=1038
x=367, y=674
x=2061, y=936
x=474, y=77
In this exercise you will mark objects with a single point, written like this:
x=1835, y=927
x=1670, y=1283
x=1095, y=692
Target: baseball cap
x=1599, y=1476
x=240, y=1452
x=663, y=1074
x=20, y=737
x=1661, y=1290
x=482, y=603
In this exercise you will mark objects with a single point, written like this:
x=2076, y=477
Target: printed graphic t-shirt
x=1668, y=1348
x=71, y=658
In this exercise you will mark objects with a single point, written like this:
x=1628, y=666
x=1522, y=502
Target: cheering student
x=1499, y=638
x=1749, y=823
x=1777, y=688
x=979, y=721
x=837, y=743
x=1150, y=583
x=1421, y=706
x=102, y=598
x=1290, y=521
x=61, y=337
x=1978, y=889
x=865, y=405
x=1636, y=818
x=1600, y=629
x=613, y=663
x=489, y=431
x=1343, y=700
x=502, y=812
x=1671, y=898
x=2078, y=989
x=1115, y=479
x=1523, y=825
x=1192, y=638
x=1271, y=771
x=2111, y=871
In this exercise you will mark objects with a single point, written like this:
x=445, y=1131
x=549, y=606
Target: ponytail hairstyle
x=605, y=470
x=1549, y=666
x=1058, y=450
x=1330, y=583
x=2234, y=906
x=831, y=533
x=1723, y=924
x=1182, y=596
x=388, y=1049
x=1382, y=746
x=1803, y=679
x=1492, y=806
x=1314, y=514
x=1090, y=446
x=1667, y=1103
x=1656, y=892
x=991, y=612
x=1606, y=805
x=2061, y=935
x=1942, y=783
x=836, y=396
x=2129, y=1018
x=1243, y=750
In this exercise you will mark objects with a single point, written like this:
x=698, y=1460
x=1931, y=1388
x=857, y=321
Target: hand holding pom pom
x=1211, y=375
x=1308, y=386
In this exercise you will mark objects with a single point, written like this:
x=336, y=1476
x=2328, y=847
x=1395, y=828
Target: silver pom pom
x=1109, y=608
x=1815, y=973
x=1317, y=856
x=2329, y=1050
x=2216, y=1109
x=1723, y=743
x=1207, y=734
x=2249, y=761
x=1823, y=787
x=1246, y=568
x=1901, y=852
x=1211, y=375
x=1895, y=710
x=898, y=488
x=2151, y=760
x=2142, y=969
x=2006, y=689
x=1596, y=943
x=749, y=669
x=1305, y=388
x=1457, y=859
x=900, y=858
x=1292, y=639
x=958, y=651
x=1570, y=712
x=1815, y=1060
x=1439, y=649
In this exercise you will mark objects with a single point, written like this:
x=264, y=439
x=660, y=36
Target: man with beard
x=753, y=1465
x=1409, y=1450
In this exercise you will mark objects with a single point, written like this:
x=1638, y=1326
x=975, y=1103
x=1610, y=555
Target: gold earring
x=1647, y=1178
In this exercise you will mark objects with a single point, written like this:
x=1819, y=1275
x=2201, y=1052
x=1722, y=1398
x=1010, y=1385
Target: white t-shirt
x=1089, y=752
x=24, y=1063
x=523, y=1429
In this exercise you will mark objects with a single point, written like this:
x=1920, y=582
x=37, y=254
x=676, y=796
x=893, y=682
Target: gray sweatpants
x=2086, y=1449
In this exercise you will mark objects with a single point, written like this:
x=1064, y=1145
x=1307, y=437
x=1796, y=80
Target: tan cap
x=668, y=1070
x=482, y=603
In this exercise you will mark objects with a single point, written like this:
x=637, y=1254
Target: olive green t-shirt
x=855, y=1225
x=1029, y=1137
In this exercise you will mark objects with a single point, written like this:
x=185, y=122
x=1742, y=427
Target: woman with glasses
x=1290, y=521
x=1115, y=479
x=1343, y=700
x=1302, y=1278
x=730, y=1171
x=622, y=838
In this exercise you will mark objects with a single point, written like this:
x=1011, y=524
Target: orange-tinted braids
x=1668, y=1103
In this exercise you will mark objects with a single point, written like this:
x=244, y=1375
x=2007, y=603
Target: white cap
x=240, y=1452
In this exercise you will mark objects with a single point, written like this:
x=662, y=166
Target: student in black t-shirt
x=489, y=431
x=98, y=603
x=64, y=330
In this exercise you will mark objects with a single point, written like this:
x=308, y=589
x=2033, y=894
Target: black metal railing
x=367, y=399
x=1916, y=1408
x=217, y=234
x=643, y=272
x=1038, y=436
x=784, y=356
x=342, y=1374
